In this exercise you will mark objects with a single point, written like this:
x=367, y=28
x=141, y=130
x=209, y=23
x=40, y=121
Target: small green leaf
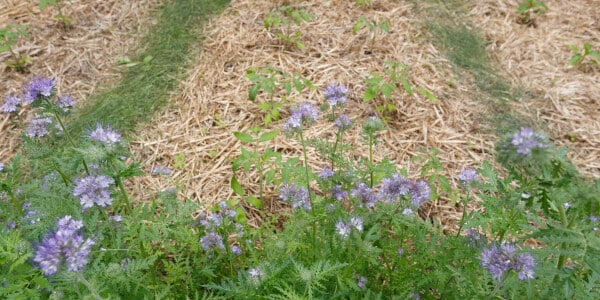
x=370, y=93
x=387, y=89
x=237, y=187
x=148, y=58
x=407, y=86
x=427, y=94
x=243, y=137
x=267, y=136
x=253, y=92
x=575, y=59
x=179, y=161
x=254, y=202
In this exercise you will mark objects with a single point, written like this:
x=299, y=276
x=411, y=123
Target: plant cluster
x=354, y=228
x=280, y=21
x=9, y=36
x=528, y=9
x=583, y=55
x=65, y=21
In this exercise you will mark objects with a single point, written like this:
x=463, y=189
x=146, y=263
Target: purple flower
x=343, y=228
x=65, y=102
x=394, y=187
x=499, y=260
x=407, y=211
x=11, y=225
x=357, y=223
x=235, y=249
x=373, y=124
x=160, y=170
x=65, y=245
x=296, y=195
x=400, y=251
x=10, y=104
x=255, y=273
x=362, y=282
x=526, y=141
x=467, y=176
x=37, y=87
x=326, y=173
x=1, y=166
x=365, y=194
x=343, y=122
x=338, y=193
x=211, y=241
x=105, y=135
x=38, y=127
x=419, y=192
x=93, y=189
x=304, y=113
x=222, y=205
x=336, y=94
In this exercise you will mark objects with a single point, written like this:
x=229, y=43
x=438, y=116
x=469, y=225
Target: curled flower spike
x=66, y=245
x=105, y=135
x=501, y=259
x=527, y=140
x=336, y=94
x=10, y=104
x=38, y=127
x=343, y=122
x=93, y=190
x=467, y=176
x=305, y=113
x=37, y=87
x=295, y=195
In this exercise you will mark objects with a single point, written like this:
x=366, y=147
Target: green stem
x=306, y=167
x=338, y=138
x=89, y=286
x=562, y=259
x=64, y=129
x=464, y=215
x=371, y=158
x=15, y=202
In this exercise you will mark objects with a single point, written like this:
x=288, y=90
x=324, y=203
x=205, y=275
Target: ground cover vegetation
x=353, y=229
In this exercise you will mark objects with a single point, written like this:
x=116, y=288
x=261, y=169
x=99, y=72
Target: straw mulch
x=80, y=59
x=566, y=99
x=212, y=102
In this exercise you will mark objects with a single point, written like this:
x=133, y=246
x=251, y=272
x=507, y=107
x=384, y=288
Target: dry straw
x=213, y=102
x=80, y=59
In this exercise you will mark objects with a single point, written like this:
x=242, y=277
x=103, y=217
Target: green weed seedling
x=65, y=21
x=267, y=163
x=273, y=81
x=282, y=19
x=397, y=74
x=588, y=55
x=9, y=36
x=364, y=3
x=383, y=26
x=528, y=9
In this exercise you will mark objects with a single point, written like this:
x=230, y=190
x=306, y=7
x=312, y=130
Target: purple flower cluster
x=398, y=186
x=501, y=259
x=362, y=282
x=343, y=122
x=338, y=193
x=365, y=195
x=211, y=241
x=527, y=140
x=65, y=102
x=467, y=176
x=65, y=245
x=93, y=189
x=215, y=219
x=336, y=94
x=326, y=173
x=304, y=113
x=38, y=127
x=105, y=135
x=1, y=166
x=345, y=228
x=296, y=195
x=37, y=87
x=10, y=104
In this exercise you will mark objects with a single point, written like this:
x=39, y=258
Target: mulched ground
x=81, y=59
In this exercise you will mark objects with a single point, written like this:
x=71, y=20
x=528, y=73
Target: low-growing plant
x=9, y=36
x=383, y=26
x=397, y=74
x=274, y=81
x=65, y=21
x=528, y=9
x=265, y=160
x=281, y=20
x=353, y=230
x=585, y=54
